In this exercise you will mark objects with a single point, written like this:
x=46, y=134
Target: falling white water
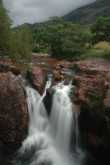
x=61, y=117
x=48, y=85
x=50, y=137
x=37, y=112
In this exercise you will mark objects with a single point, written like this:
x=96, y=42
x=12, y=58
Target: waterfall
x=49, y=138
x=61, y=116
x=37, y=112
x=48, y=85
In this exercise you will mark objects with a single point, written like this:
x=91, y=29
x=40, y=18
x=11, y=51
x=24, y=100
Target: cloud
x=31, y=11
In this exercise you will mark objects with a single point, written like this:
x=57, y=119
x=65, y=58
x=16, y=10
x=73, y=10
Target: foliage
x=104, y=45
x=61, y=39
x=21, y=46
x=14, y=43
x=5, y=32
x=97, y=53
x=101, y=29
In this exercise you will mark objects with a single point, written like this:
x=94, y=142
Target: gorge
x=66, y=123
x=50, y=137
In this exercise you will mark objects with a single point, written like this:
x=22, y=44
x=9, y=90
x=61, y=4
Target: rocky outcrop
x=9, y=66
x=92, y=93
x=95, y=133
x=13, y=113
x=90, y=89
x=37, y=77
x=92, y=83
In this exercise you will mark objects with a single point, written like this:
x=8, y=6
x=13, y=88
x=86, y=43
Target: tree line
x=64, y=39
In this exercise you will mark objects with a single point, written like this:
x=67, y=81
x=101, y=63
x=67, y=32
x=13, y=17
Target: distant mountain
x=89, y=13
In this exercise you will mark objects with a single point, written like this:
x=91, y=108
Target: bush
x=96, y=53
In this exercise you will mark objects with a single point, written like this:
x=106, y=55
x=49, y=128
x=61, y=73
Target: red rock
x=13, y=112
x=87, y=87
x=6, y=66
x=38, y=76
x=57, y=75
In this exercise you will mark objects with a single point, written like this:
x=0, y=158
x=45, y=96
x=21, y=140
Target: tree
x=5, y=32
x=61, y=39
x=101, y=29
x=67, y=40
x=21, y=46
x=15, y=43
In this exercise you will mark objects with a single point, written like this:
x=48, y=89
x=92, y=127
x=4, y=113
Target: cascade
x=50, y=136
x=61, y=116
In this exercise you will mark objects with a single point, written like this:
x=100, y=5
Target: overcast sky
x=31, y=11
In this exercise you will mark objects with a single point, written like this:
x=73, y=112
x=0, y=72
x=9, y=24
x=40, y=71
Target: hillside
x=89, y=13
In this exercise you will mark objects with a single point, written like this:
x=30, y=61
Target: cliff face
x=91, y=79
x=89, y=13
x=92, y=93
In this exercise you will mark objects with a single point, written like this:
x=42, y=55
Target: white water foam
x=50, y=136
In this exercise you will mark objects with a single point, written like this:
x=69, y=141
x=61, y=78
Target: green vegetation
x=98, y=50
x=61, y=39
x=5, y=32
x=57, y=37
x=14, y=43
x=101, y=29
x=21, y=44
x=100, y=41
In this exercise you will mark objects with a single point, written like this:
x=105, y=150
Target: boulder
x=13, y=113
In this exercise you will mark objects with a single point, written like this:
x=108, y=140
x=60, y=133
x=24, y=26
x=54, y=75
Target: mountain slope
x=89, y=13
